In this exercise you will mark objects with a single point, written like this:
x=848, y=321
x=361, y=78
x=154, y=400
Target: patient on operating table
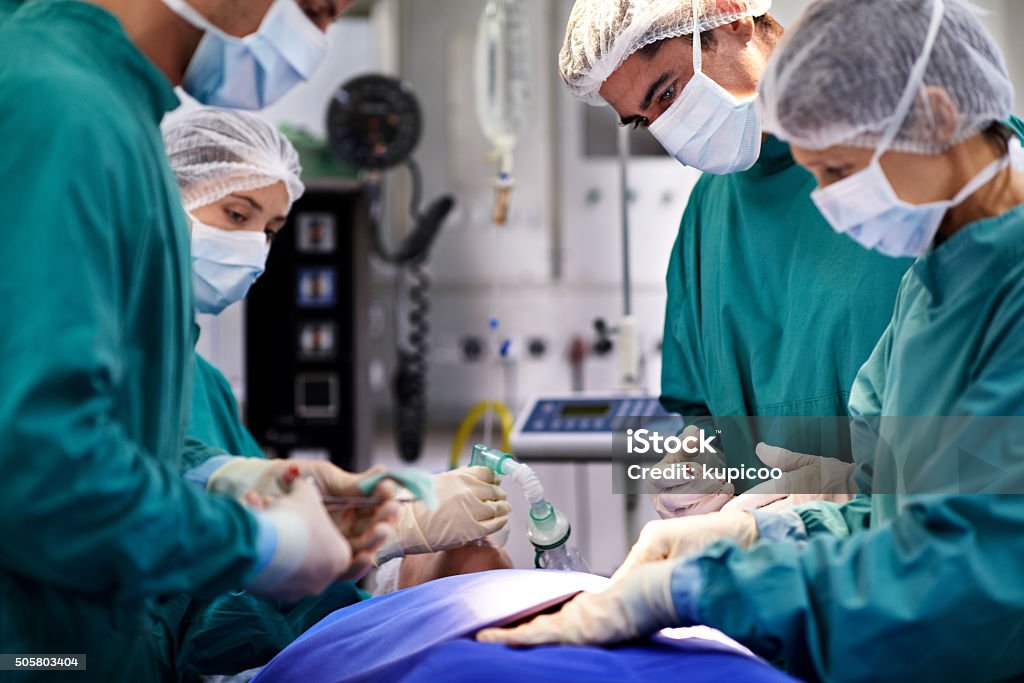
x=425, y=633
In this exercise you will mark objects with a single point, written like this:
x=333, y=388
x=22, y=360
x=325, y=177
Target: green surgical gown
x=96, y=354
x=236, y=631
x=7, y=7
x=214, y=419
x=770, y=312
x=930, y=587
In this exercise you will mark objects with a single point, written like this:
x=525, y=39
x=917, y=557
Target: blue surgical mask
x=866, y=207
x=225, y=264
x=255, y=71
x=707, y=127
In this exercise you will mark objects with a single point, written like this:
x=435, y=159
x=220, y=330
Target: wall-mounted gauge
x=374, y=122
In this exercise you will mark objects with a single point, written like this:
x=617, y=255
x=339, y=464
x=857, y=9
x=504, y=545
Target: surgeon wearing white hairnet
x=239, y=178
x=769, y=311
x=901, y=109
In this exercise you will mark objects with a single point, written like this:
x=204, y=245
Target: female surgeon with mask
x=901, y=109
x=239, y=178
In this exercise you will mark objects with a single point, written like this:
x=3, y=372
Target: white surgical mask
x=866, y=207
x=707, y=127
x=225, y=263
x=255, y=71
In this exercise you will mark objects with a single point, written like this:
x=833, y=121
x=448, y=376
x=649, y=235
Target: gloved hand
x=310, y=553
x=365, y=528
x=679, y=497
x=805, y=478
x=678, y=538
x=637, y=604
x=471, y=506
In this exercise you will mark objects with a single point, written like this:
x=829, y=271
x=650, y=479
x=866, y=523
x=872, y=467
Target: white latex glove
x=365, y=528
x=310, y=552
x=681, y=497
x=675, y=539
x=805, y=478
x=471, y=506
x=638, y=604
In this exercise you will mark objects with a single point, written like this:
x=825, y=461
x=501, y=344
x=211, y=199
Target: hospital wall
x=558, y=260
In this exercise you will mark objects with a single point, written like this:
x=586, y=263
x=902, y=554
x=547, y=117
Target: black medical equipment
x=307, y=347
x=374, y=123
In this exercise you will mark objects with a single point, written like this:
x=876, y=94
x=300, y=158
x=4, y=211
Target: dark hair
x=768, y=25
x=1000, y=134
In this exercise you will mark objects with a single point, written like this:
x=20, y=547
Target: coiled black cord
x=411, y=375
x=410, y=381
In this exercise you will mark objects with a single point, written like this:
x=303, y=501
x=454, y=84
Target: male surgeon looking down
x=769, y=311
x=96, y=343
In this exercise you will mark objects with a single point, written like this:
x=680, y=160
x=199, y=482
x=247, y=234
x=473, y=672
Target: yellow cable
x=470, y=422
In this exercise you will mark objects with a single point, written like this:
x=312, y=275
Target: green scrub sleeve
x=91, y=509
x=923, y=598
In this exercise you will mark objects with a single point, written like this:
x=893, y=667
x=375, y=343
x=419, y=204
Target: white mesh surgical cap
x=601, y=34
x=217, y=152
x=839, y=74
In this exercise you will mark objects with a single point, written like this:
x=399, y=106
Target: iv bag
x=502, y=73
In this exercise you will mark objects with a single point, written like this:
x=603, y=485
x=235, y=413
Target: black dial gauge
x=374, y=122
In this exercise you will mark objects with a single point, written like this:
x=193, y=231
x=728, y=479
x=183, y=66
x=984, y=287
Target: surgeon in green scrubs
x=897, y=108
x=769, y=311
x=239, y=178
x=96, y=350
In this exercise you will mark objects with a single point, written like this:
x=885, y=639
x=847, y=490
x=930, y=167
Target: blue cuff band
x=266, y=544
x=201, y=474
x=686, y=587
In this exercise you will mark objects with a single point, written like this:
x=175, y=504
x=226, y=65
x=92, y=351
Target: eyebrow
x=252, y=202
x=654, y=89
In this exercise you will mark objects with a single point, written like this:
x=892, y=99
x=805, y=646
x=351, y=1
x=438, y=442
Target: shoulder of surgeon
x=709, y=197
x=54, y=91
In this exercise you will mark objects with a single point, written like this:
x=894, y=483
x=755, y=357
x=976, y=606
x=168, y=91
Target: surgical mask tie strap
x=698, y=57
x=195, y=17
x=914, y=81
x=981, y=180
